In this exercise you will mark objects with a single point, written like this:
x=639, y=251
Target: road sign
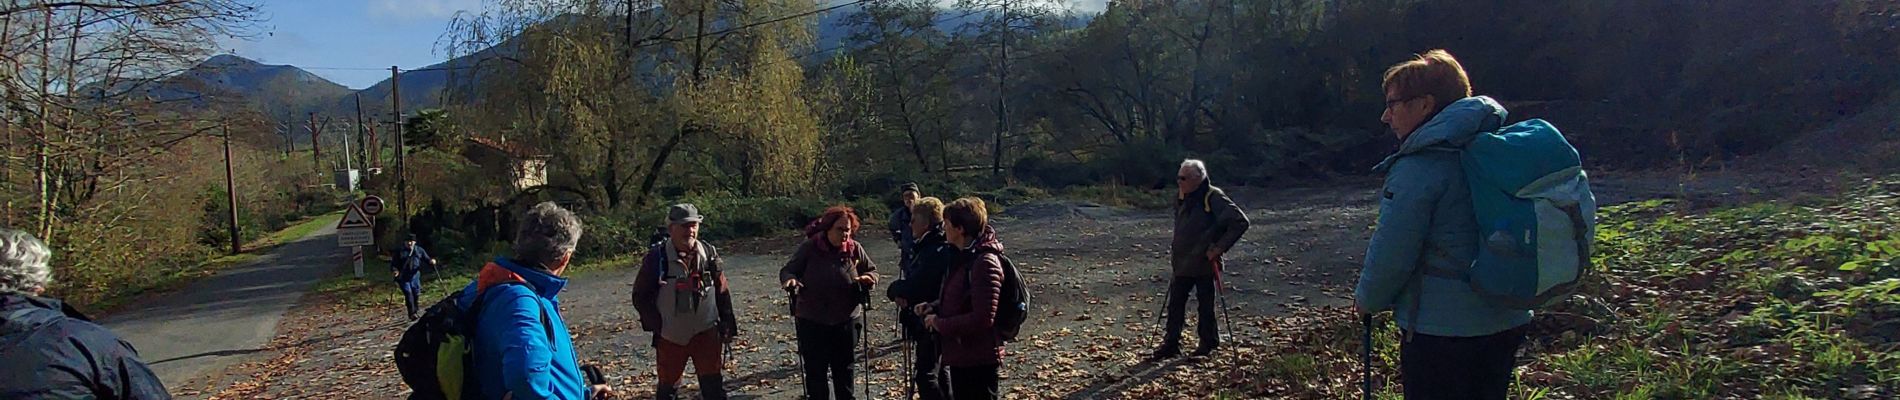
x=372, y=205
x=355, y=228
x=354, y=218
x=349, y=237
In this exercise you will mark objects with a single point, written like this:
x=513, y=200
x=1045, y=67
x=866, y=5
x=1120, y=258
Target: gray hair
x=1196, y=167
x=548, y=233
x=23, y=262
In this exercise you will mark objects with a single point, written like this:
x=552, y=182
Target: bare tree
x=78, y=100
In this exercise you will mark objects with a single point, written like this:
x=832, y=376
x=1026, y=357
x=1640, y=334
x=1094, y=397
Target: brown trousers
x=703, y=350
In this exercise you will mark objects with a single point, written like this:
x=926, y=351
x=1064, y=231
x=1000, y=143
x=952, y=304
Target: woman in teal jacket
x=1456, y=346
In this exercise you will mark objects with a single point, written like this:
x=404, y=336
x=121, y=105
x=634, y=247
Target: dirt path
x=1098, y=274
x=221, y=320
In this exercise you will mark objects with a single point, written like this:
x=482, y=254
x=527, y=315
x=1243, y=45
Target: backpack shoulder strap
x=481, y=300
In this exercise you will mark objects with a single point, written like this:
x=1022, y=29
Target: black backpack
x=1013, y=308
x=446, y=331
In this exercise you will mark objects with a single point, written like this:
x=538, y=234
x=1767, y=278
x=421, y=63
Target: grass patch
x=1766, y=300
x=1122, y=196
x=169, y=279
x=1780, y=300
x=296, y=231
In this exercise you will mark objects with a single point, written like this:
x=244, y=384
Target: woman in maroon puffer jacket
x=965, y=316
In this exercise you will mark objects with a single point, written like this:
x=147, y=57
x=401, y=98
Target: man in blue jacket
x=50, y=351
x=522, y=350
x=406, y=265
x=1456, y=345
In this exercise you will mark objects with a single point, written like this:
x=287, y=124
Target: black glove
x=594, y=376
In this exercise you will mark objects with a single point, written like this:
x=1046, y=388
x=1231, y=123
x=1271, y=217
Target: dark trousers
x=1207, y=328
x=1440, y=367
x=411, y=288
x=827, y=349
x=973, y=383
x=924, y=362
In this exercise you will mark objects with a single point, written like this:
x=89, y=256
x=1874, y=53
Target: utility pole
x=316, y=153
x=402, y=177
x=362, y=140
x=375, y=153
x=1002, y=104
x=230, y=190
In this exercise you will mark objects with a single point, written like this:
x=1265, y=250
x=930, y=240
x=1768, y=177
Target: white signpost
x=355, y=231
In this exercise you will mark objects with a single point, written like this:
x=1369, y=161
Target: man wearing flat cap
x=682, y=298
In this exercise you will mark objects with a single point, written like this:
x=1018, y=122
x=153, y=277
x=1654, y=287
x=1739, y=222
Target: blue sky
x=321, y=34
x=353, y=42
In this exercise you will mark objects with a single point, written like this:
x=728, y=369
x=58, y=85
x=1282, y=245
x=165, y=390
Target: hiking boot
x=1203, y=351
x=666, y=393
x=712, y=387
x=1166, y=351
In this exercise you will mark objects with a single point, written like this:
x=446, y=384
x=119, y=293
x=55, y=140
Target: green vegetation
x=173, y=275
x=1790, y=299
x=1772, y=299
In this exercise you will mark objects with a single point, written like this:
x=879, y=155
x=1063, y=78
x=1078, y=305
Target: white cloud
x=420, y=9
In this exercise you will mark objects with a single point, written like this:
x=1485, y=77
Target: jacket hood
x=823, y=245
x=986, y=242
x=501, y=270
x=933, y=236
x=15, y=303
x=1454, y=126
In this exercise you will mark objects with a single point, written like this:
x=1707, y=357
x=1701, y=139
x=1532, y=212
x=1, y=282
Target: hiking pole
x=903, y=352
x=797, y=355
x=864, y=335
x=1365, y=357
x=1220, y=291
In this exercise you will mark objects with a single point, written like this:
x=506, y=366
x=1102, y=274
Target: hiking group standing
x=960, y=300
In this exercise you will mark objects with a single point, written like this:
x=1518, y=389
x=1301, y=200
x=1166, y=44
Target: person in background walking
x=681, y=296
x=406, y=265
x=1206, y=225
x=900, y=225
x=922, y=283
x=1458, y=346
x=521, y=349
x=51, y=351
x=831, y=272
x=964, y=316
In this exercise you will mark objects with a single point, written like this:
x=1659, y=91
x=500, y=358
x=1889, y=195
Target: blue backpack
x=1536, y=215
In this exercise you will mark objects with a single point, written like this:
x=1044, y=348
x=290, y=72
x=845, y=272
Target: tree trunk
x=659, y=162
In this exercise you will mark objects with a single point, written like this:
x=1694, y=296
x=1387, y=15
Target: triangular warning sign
x=354, y=218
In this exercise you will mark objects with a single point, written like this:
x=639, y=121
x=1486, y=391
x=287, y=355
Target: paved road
x=217, y=321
